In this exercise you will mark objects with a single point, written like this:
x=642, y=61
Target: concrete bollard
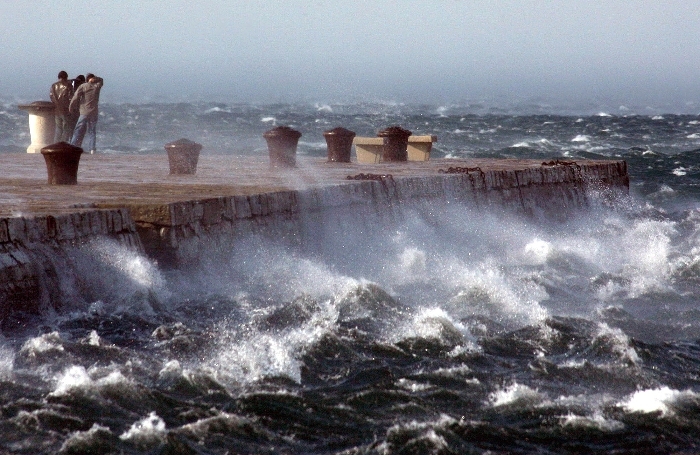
x=419, y=147
x=62, y=161
x=282, y=145
x=42, y=124
x=183, y=155
x=368, y=149
x=339, y=141
x=395, y=143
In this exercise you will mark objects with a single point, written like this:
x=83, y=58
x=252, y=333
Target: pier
x=133, y=200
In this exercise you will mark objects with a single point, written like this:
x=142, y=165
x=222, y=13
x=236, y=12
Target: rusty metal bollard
x=62, y=160
x=339, y=141
x=395, y=143
x=183, y=155
x=282, y=145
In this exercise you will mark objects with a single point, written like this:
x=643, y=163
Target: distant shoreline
x=480, y=107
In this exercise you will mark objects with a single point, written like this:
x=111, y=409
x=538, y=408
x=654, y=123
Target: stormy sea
x=440, y=330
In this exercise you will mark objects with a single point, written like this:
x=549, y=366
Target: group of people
x=76, y=112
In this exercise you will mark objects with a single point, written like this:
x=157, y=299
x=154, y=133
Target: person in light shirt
x=85, y=100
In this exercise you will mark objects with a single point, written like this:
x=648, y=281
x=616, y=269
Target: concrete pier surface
x=134, y=201
x=120, y=180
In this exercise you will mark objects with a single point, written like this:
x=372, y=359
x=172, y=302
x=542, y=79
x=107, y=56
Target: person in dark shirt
x=61, y=94
x=77, y=82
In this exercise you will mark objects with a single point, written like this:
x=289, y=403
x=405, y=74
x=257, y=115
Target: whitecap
x=94, y=339
x=693, y=136
x=515, y=394
x=74, y=378
x=77, y=379
x=662, y=400
x=134, y=279
x=413, y=386
x=41, y=344
x=680, y=171
x=147, y=432
x=259, y=357
x=170, y=372
x=618, y=342
x=488, y=291
x=581, y=138
x=436, y=324
x=521, y=144
x=216, y=109
x=216, y=424
x=595, y=421
x=268, y=120
x=90, y=441
x=454, y=371
x=248, y=355
x=603, y=114
x=421, y=434
x=658, y=117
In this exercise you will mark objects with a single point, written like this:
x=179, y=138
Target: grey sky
x=441, y=51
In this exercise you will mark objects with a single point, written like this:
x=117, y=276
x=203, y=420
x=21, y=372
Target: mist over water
x=430, y=328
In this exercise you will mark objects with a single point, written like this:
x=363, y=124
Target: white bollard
x=42, y=124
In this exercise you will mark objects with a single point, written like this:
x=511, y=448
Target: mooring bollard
x=42, y=124
x=339, y=141
x=183, y=155
x=62, y=160
x=395, y=143
x=282, y=145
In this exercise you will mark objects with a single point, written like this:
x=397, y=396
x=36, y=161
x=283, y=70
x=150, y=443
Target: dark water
x=440, y=329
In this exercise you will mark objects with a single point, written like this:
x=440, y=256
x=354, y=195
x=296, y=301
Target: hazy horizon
x=631, y=53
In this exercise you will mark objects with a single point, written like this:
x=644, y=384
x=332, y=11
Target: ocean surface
x=445, y=331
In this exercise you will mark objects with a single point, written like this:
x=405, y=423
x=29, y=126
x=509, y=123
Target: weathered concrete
x=135, y=201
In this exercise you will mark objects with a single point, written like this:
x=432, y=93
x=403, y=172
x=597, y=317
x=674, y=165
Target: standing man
x=86, y=99
x=61, y=93
x=77, y=82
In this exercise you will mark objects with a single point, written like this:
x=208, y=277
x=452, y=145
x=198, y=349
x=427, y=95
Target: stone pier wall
x=34, y=248
x=37, y=252
x=173, y=233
